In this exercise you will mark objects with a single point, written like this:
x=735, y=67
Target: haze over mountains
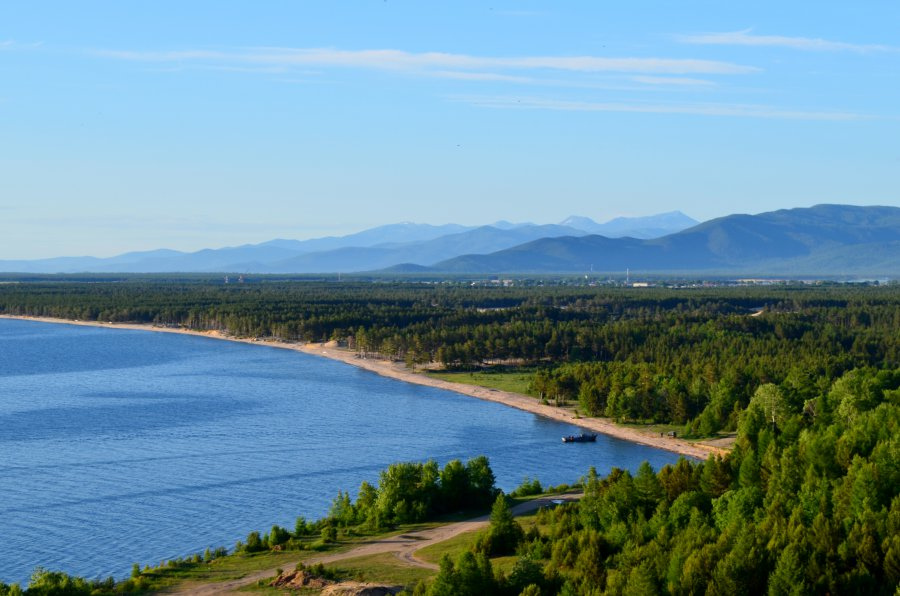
x=372, y=249
x=822, y=240
x=825, y=240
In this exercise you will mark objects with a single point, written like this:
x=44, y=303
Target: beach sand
x=399, y=371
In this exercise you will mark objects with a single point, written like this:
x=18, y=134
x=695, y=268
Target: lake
x=121, y=446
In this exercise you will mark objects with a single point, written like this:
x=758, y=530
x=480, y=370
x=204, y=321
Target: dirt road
x=403, y=547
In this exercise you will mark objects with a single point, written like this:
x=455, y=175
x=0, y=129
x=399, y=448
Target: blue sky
x=138, y=125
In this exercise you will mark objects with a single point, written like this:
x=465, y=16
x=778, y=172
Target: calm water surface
x=127, y=446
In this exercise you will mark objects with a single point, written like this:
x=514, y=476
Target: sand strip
x=399, y=371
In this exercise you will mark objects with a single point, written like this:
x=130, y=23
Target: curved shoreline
x=401, y=373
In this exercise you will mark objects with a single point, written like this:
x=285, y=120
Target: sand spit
x=399, y=371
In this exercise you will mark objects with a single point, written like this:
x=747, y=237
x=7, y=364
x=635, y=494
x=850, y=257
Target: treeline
x=413, y=492
x=807, y=503
x=407, y=492
x=688, y=356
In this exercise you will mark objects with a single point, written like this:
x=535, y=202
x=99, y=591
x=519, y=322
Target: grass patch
x=382, y=568
x=452, y=546
x=504, y=564
x=238, y=566
x=223, y=569
x=513, y=381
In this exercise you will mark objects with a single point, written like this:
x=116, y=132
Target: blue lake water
x=127, y=446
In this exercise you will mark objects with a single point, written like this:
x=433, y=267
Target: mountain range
x=372, y=249
x=821, y=240
x=824, y=240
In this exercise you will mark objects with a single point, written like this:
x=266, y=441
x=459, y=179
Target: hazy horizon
x=340, y=234
x=132, y=127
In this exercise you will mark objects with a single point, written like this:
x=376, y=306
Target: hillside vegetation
x=807, y=503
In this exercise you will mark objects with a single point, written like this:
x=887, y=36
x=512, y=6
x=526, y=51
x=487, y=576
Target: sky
x=140, y=125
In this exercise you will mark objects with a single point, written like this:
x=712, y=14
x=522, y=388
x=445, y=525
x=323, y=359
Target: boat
x=582, y=438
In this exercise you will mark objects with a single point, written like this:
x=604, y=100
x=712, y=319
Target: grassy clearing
x=453, y=547
x=513, y=381
x=223, y=569
x=384, y=568
x=237, y=566
x=459, y=544
x=466, y=541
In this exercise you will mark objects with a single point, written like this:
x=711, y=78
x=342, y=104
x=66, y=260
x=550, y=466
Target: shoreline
x=398, y=371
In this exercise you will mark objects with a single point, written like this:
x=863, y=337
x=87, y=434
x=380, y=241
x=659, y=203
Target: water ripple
x=124, y=446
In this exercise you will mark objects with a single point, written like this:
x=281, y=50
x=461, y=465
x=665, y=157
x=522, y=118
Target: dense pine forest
x=807, y=503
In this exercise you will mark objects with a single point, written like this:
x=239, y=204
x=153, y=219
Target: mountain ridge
x=375, y=248
x=823, y=237
x=820, y=240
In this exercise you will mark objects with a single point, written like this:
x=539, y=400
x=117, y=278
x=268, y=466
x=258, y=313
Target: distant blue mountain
x=375, y=248
x=820, y=240
x=484, y=239
x=653, y=226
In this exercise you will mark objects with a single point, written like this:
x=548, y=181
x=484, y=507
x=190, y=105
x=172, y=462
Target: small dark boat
x=582, y=438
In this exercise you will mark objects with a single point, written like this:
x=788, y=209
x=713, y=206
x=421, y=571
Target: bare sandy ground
x=399, y=371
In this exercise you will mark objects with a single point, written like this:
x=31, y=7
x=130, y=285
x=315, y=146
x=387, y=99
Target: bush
x=528, y=488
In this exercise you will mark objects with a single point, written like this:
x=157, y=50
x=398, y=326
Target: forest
x=808, y=502
x=686, y=356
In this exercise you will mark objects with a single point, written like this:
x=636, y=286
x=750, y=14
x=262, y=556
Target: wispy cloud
x=481, y=76
x=700, y=109
x=11, y=44
x=746, y=38
x=672, y=81
x=399, y=60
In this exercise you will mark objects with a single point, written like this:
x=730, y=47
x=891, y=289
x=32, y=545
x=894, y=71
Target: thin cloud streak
x=673, y=81
x=11, y=44
x=734, y=110
x=745, y=38
x=481, y=76
x=389, y=59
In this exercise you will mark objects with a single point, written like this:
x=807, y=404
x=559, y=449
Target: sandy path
x=400, y=372
x=403, y=546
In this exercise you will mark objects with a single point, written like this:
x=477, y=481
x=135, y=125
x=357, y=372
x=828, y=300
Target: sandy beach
x=399, y=371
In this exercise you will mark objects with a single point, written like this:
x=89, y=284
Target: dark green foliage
x=49, y=583
x=254, y=543
x=329, y=534
x=778, y=515
x=529, y=487
x=470, y=575
x=278, y=536
x=504, y=533
x=527, y=577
